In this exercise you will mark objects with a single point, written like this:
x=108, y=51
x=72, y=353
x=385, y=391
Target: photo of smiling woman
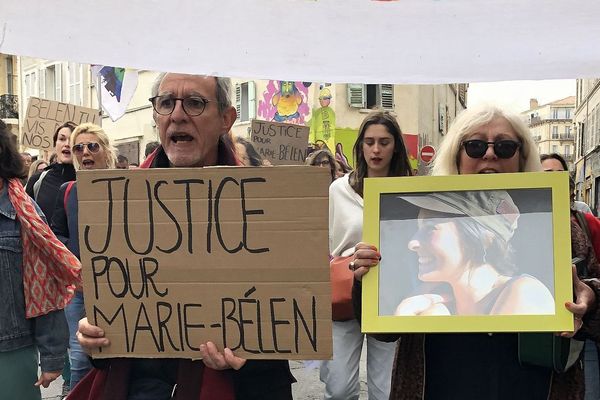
x=465, y=259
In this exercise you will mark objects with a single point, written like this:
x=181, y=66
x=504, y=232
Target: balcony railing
x=9, y=106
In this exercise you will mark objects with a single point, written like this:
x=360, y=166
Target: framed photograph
x=468, y=253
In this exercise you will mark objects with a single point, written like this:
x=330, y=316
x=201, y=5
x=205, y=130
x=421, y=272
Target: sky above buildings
x=515, y=95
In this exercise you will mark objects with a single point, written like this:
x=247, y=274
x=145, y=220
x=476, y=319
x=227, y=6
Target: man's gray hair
x=223, y=87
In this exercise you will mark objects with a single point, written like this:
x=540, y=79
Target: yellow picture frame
x=552, y=188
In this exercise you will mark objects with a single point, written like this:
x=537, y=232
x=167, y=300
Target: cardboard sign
x=44, y=116
x=477, y=253
x=173, y=258
x=281, y=144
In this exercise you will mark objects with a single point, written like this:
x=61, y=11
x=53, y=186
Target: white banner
x=407, y=41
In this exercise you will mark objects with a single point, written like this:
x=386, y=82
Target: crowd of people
x=194, y=115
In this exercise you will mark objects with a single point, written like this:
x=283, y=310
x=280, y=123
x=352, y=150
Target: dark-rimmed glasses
x=192, y=105
x=477, y=148
x=92, y=147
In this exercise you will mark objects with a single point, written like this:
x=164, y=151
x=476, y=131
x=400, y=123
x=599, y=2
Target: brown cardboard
x=273, y=267
x=281, y=144
x=44, y=116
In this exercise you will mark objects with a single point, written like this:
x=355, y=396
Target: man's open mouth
x=181, y=138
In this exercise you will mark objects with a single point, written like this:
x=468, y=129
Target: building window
x=581, y=129
x=567, y=113
x=245, y=101
x=75, y=86
x=568, y=131
x=10, y=76
x=555, y=132
x=596, y=134
x=555, y=113
x=130, y=150
x=554, y=148
x=371, y=96
x=31, y=85
x=591, y=132
x=52, y=82
x=567, y=150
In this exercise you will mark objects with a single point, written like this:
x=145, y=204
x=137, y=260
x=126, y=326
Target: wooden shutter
x=386, y=96
x=357, y=95
x=42, y=83
x=238, y=100
x=58, y=82
x=251, y=100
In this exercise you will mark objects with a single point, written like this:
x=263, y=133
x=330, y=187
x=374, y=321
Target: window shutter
x=42, y=84
x=357, y=95
x=251, y=100
x=58, y=81
x=386, y=93
x=238, y=101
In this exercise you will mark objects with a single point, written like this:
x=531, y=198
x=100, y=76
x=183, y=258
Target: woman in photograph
x=379, y=151
x=463, y=242
x=93, y=150
x=479, y=365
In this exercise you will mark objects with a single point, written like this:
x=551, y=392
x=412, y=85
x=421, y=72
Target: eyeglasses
x=92, y=147
x=322, y=163
x=502, y=148
x=192, y=105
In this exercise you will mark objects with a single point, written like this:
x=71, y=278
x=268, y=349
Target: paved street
x=53, y=391
x=309, y=387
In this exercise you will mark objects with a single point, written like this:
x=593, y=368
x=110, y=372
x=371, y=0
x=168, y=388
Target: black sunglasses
x=477, y=148
x=93, y=147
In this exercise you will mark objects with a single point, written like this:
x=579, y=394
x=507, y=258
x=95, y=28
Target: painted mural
x=344, y=144
x=322, y=121
x=285, y=101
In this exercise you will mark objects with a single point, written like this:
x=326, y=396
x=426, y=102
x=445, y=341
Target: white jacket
x=345, y=217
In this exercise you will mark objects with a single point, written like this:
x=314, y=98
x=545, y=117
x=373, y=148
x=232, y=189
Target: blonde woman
x=92, y=149
x=478, y=365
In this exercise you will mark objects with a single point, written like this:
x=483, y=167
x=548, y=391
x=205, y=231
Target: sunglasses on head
x=477, y=148
x=92, y=147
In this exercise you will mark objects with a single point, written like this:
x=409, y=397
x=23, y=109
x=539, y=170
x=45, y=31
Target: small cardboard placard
x=281, y=144
x=468, y=253
x=173, y=258
x=44, y=116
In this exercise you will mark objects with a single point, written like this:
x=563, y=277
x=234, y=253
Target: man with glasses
x=193, y=115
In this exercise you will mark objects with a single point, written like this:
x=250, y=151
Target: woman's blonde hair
x=109, y=151
x=447, y=159
x=34, y=166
